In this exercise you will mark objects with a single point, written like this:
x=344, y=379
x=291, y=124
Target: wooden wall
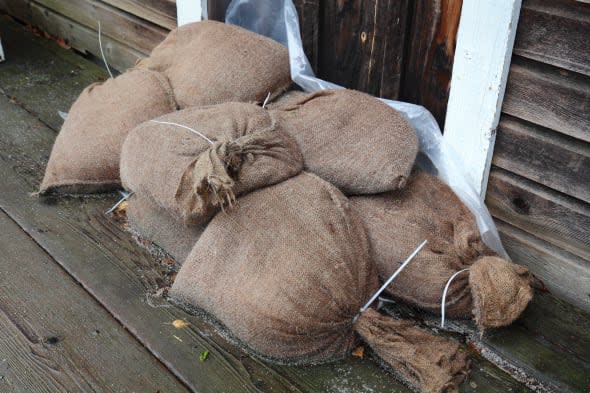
x=398, y=49
x=539, y=187
x=130, y=28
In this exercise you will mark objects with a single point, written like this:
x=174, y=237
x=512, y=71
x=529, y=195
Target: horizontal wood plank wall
x=539, y=186
x=130, y=28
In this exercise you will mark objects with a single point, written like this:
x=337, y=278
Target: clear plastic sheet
x=278, y=19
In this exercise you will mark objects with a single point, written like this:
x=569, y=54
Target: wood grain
x=361, y=44
x=556, y=218
x=118, y=55
x=309, y=26
x=556, y=161
x=430, y=52
x=160, y=12
x=58, y=79
x=564, y=274
x=555, y=32
x=216, y=9
x=550, y=97
x=53, y=335
x=132, y=31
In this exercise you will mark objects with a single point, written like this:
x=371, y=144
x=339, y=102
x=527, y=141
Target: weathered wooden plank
x=564, y=274
x=431, y=50
x=55, y=337
x=160, y=12
x=216, y=9
x=556, y=218
x=555, y=32
x=58, y=76
x=550, y=97
x=118, y=55
x=547, y=157
x=361, y=44
x=132, y=31
x=309, y=25
x=559, y=369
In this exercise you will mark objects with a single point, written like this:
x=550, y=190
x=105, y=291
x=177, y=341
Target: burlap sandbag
x=287, y=99
x=210, y=62
x=85, y=156
x=428, y=209
x=287, y=273
x=154, y=223
x=240, y=148
x=353, y=140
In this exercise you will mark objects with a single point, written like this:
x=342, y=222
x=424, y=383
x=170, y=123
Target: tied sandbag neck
x=210, y=180
x=428, y=363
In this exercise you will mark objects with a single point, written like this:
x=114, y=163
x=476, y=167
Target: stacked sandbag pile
x=285, y=218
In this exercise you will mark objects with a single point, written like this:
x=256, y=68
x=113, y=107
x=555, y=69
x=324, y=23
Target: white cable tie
x=101, y=51
x=185, y=127
x=444, y=296
x=389, y=280
x=266, y=100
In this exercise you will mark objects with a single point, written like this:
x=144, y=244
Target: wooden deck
x=79, y=304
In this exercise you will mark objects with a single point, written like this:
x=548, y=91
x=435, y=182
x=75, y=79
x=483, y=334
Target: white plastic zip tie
x=104, y=59
x=266, y=100
x=444, y=296
x=389, y=280
x=125, y=195
x=185, y=127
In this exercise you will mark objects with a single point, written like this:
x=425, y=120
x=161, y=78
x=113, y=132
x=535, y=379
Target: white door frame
x=480, y=69
x=188, y=11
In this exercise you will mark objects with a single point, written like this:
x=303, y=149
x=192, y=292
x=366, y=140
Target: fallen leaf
x=359, y=352
x=204, y=355
x=122, y=208
x=180, y=324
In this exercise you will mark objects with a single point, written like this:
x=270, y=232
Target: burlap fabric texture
x=210, y=62
x=196, y=161
x=428, y=209
x=351, y=139
x=86, y=153
x=287, y=273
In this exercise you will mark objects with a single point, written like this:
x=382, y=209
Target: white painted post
x=188, y=11
x=482, y=59
x=2, y=58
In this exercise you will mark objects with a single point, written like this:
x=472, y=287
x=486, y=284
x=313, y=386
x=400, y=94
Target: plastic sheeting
x=278, y=19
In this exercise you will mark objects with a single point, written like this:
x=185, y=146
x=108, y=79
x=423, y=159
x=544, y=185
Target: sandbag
x=428, y=209
x=210, y=62
x=353, y=140
x=85, y=156
x=287, y=99
x=196, y=161
x=154, y=223
x=287, y=273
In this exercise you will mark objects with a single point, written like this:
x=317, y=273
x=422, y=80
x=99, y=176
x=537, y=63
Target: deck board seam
x=96, y=300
